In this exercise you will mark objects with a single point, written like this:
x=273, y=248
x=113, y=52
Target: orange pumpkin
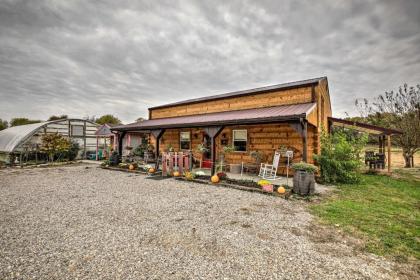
x=281, y=190
x=152, y=170
x=131, y=167
x=215, y=179
x=176, y=174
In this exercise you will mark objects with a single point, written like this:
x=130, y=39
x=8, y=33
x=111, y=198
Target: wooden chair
x=269, y=171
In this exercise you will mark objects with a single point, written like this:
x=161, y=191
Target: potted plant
x=170, y=148
x=201, y=148
x=304, y=178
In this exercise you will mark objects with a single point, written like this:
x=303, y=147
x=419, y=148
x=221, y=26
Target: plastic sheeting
x=12, y=137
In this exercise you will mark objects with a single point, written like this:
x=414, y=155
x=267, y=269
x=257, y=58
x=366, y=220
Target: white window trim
x=246, y=140
x=180, y=140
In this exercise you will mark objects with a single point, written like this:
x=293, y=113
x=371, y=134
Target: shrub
x=310, y=168
x=340, y=158
x=73, y=150
x=114, y=159
x=54, y=144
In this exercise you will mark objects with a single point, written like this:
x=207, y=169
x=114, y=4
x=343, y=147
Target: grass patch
x=383, y=211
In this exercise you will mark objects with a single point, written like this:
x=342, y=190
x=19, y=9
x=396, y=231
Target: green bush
x=310, y=168
x=340, y=158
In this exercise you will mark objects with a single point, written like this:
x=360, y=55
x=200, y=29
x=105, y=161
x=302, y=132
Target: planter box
x=303, y=182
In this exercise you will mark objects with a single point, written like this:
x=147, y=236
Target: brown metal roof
x=284, y=86
x=248, y=116
x=364, y=127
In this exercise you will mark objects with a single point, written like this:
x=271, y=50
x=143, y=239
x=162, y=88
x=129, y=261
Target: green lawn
x=383, y=211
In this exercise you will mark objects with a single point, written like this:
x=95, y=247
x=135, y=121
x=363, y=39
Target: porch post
x=120, y=142
x=302, y=128
x=157, y=133
x=213, y=132
x=305, y=141
x=114, y=145
x=97, y=147
x=389, y=153
x=380, y=143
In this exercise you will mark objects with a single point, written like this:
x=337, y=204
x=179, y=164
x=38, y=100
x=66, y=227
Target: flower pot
x=303, y=182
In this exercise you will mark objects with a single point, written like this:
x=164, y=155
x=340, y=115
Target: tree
x=109, y=119
x=140, y=119
x=53, y=144
x=3, y=124
x=399, y=110
x=54, y=117
x=22, y=121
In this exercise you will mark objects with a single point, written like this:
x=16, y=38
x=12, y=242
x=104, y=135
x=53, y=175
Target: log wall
x=265, y=138
x=284, y=97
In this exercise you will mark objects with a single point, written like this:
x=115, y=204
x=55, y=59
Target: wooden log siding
x=283, y=97
x=264, y=138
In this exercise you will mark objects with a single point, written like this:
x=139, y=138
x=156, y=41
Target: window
x=77, y=130
x=240, y=140
x=185, y=140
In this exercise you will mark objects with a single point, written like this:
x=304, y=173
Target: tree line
x=398, y=110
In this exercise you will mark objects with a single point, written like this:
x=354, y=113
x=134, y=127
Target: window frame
x=77, y=135
x=246, y=140
x=180, y=140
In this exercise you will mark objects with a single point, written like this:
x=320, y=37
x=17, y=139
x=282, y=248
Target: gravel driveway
x=87, y=223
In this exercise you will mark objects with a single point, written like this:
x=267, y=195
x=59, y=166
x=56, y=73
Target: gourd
x=281, y=190
x=131, y=167
x=215, y=179
x=176, y=174
x=152, y=170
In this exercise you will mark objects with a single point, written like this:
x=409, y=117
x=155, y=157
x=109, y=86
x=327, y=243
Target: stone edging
x=233, y=186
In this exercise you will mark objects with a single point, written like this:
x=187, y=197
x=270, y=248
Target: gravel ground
x=81, y=222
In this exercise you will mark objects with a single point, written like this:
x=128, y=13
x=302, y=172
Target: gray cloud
x=94, y=57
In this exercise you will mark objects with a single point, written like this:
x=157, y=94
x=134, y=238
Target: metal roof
x=247, y=116
x=284, y=86
x=104, y=130
x=364, y=127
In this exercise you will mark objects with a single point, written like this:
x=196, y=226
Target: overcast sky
x=89, y=58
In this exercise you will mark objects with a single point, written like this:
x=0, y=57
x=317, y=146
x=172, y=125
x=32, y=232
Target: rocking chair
x=269, y=171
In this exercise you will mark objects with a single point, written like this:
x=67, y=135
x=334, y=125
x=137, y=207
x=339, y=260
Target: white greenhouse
x=23, y=142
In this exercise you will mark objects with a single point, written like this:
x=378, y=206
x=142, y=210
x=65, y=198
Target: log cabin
x=290, y=115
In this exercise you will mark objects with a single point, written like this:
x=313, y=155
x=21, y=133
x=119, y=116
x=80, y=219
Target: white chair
x=269, y=171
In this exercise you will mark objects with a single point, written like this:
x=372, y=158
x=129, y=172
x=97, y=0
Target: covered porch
x=263, y=130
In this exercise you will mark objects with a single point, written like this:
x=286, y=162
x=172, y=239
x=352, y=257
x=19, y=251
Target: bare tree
x=399, y=110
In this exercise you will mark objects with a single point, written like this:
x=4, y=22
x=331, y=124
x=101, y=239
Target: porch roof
x=368, y=128
x=247, y=116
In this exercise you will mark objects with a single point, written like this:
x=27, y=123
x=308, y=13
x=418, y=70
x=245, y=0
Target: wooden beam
x=302, y=128
x=213, y=131
x=380, y=144
x=305, y=141
x=120, y=142
x=157, y=133
x=389, y=153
